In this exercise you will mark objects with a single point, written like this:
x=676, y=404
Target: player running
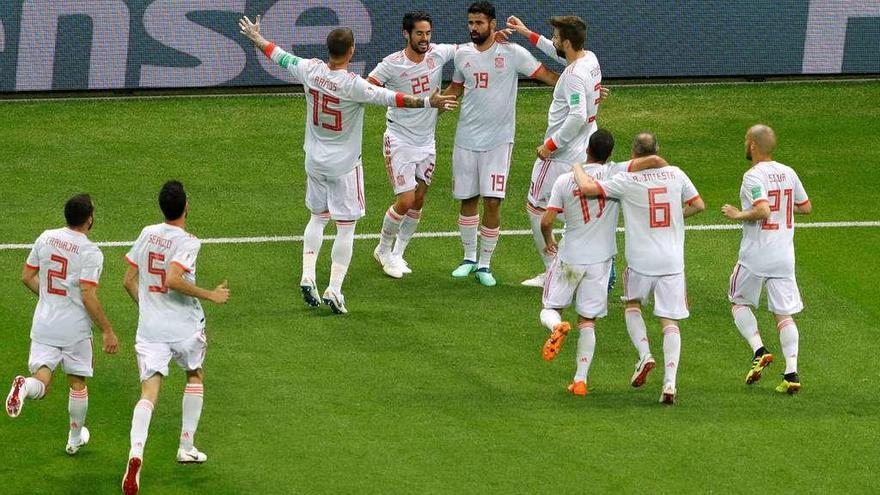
x=408, y=143
x=161, y=279
x=63, y=269
x=333, y=139
x=654, y=218
x=571, y=118
x=486, y=73
x=771, y=194
x=583, y=258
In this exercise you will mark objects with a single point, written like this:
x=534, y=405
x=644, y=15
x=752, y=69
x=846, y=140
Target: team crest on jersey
x=431, y=64
x=467, y=65
x=499, y=62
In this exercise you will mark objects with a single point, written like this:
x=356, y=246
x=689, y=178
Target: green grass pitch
x=433, y=385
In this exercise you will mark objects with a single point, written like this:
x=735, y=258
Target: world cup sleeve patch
x=756, y=192
x=575, y=99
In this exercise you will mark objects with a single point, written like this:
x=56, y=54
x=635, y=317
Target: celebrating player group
x=572, y=180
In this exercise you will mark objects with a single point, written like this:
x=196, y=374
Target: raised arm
x=252, y=31
x=176, y=282
x=546, y=76
x=542, y=43
x=96, y=312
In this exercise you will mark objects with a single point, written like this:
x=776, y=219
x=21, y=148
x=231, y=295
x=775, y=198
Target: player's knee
x=195, y=376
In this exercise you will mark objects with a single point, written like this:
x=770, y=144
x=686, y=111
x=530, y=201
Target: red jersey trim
x=690, y=201
x=541, y=66
x=187, y=270
x=457, y=83
x=269, y=49
x=551, y=144
x=85, y=281
x=129, y=261
x=375, y=81
x=601, y=190
x=31, y=267
x=399, y=99
x=534, y=38
x=553, y=208
x=802, y=203
x=760, y=201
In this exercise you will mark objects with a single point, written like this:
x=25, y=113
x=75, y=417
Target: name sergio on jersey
x=159, y=241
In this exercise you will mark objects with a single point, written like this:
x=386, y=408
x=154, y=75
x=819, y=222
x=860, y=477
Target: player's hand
x=444, y=102
x=543, y=152
x=551, y=248
x=221, y=294
x=731, y=212
x=604, y=93
x=110, y=342
x=518, y=26
x=503, y=35
x=250, y=29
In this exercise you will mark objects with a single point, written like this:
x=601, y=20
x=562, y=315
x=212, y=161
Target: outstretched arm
x=252, y=31
x=542, y=43
x=586, y=184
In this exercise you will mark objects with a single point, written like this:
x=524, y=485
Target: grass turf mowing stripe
x=299, y=238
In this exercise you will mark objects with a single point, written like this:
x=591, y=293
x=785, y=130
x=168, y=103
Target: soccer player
x=486, y=73
x=571, y=118
x=161, y=279
x=408, y=143
x=63, y=269
x=333, y=139
x=771, y=194
x=654, y=218
x=583, y=258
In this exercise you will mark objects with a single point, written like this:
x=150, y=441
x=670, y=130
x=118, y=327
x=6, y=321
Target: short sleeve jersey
x=334, y=112
x=590, y=223
x=66, y=260
x=487, y=116
x=415, y=126
x=767, y=247
x=165, y=315
x=653, y=216
x=576, y=95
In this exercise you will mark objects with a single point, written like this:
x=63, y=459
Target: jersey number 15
x=322, y=100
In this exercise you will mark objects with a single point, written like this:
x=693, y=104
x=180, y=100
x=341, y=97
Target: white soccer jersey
x=490, y=79
x=414, y=126
x=767, y=247
x=334, y=112
x=571, y=119
x=66, y=260
x=590, y=224
x=164, y=314
x=652, y=214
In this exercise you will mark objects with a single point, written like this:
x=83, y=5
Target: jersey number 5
x=157, y=270
x=62, y=274
x=659, y=211
x=321, y=100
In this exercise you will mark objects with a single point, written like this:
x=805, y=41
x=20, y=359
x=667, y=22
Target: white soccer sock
x=585, y=347
x=550, y=318
x=535, y=215
x=638, y=334
x=467, y=226
x=488, y=241
x=747, y=325
x=313, y=237
x=33, y=388
x=140, y=425
x=192, y=411
x=407, y=230
x=390, y=228
x=671, y=352
x=341, y=253
x=788, y=337
x=77, y=406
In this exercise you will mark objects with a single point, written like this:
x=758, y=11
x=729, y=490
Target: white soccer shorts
x=783, y=295
x=405, y=163
x=587, y=284
x=76, y=359
x=153, y=357
x=342, y=196
x=670, y=292
x=480, y=173
x=544, y=175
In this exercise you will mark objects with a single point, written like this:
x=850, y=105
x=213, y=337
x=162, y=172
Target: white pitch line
x=299, y=238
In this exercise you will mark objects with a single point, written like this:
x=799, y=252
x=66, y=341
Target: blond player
x=408, y=143
x=583, y=259
x=571, y=118
x=654, y=216
x=771, y=194
x=63, y=269
x=486, y=73
x=335, y=101
x=161, y=279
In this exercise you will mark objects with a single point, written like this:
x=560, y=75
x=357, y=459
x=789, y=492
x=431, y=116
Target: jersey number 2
x=321, y=100
x=62, y=274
